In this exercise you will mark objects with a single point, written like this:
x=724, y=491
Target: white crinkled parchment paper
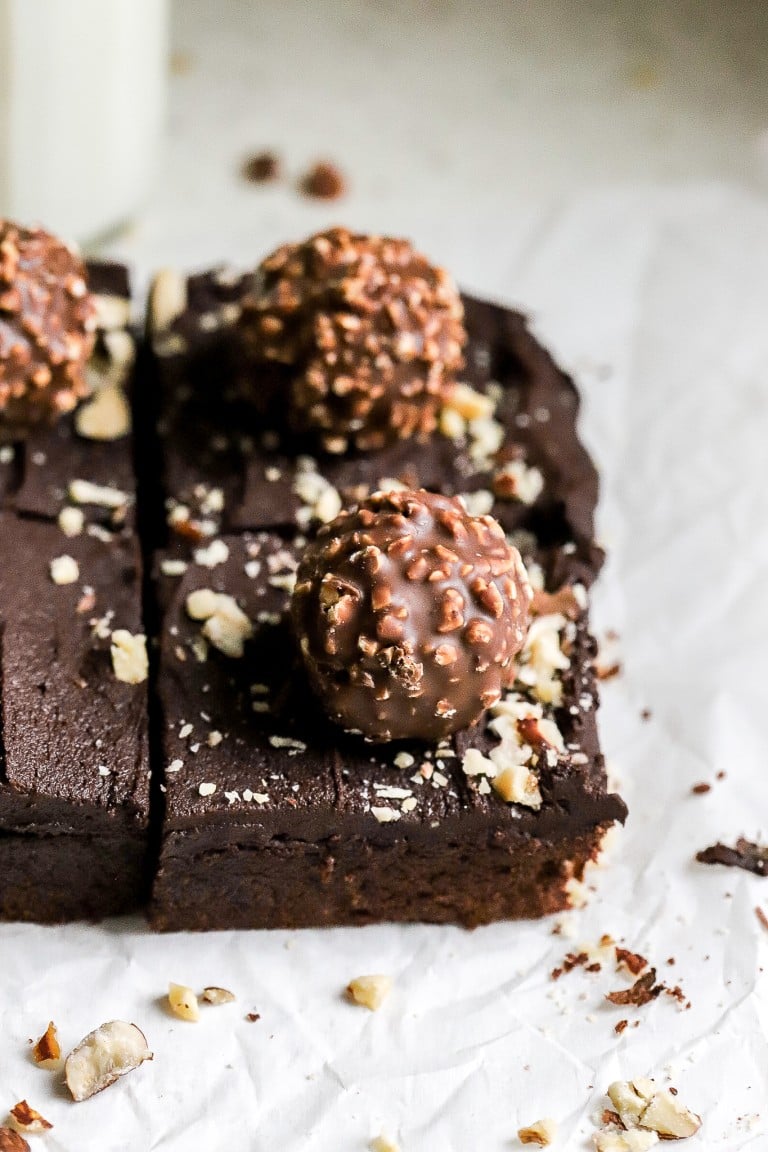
x=490, y=134
x=667, y=337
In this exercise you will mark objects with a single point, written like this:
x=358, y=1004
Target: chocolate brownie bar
x=524, y=463
x=74, y=769
x=274, y=817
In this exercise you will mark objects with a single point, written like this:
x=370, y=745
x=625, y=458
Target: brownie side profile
x=74, y=765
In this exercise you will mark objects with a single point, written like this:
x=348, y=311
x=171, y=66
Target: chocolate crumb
x=262, y=168
x=762, y=917
x=252, y=1017
x=618, y=1029
x=645, y=714
x=643, y=991
x=701, y=789
x=571, y=961
x=747, y=855
x=720, y=775
x=323, y=181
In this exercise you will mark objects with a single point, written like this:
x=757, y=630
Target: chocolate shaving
x=618, y=1029
x=762, y=917
x=571, y=961
x=633, y=961
x=751, y=857
x=608, y=672
x=701, y=789
x=643, y=991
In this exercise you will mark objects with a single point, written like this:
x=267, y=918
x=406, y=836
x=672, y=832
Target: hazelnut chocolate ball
x=409, y=613
x=47, y=327
x=368, y=334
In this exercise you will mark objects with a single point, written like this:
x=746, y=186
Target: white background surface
x=607, y=173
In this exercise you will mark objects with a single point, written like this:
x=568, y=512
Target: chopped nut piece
x=516, y=480
x=214, y=995
x=216, y=553
x=103, y=1056
x=226, y=625
x=369, y=991
x=639, y=1103
x=129, y=656
x=47, y=1051
x=635, y=1140
x=518, y=785
x=542, y=1132
x=183, y=1002
x=383, y=1144
x=168, y=300
x=469, y=403
x=28, y=1120
x=206, y=789
x=84, y=492
x=11, y=1141
x=64, y=570
x=106, y=417
x=71, y=521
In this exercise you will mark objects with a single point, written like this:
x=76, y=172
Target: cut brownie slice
x=74, y=771
x=276, y=818
x=518, y=457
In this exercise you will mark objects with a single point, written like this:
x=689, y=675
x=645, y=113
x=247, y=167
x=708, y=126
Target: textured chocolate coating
x=47, y=328
x=409, y=613
x=363, y=330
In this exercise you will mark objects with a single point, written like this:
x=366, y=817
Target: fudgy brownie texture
x=74, y=770
x=273, y=816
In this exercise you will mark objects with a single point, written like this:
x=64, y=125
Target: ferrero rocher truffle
x=47, y=325
x=368, y=334
x=409, y=613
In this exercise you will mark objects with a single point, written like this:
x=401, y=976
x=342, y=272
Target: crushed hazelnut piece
x=84, y=492
x=213, y=555
x=103, y=1056
x=11, y=1141
x=129, y=656
x=469, y=403
x=542, y=1133
x=369, y=991
x=27, y=1120
x=635, y=1140
x=168, y=300
x=517, y=480
x=183, y=1002
x=106, y=417
x=214, y=995
x=383, y=1144
x=641, y=1104
x=64, y=570
x=226, y=625
x=47, y=1052
x=206, y=789
x=71, y=521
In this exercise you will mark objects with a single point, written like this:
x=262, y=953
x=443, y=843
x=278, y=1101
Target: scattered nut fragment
x=183, y=1002
x=369, y=991
x=168, y=299
x=47, y=1051
x=542, y=1132
x=106, y=417
x=85, y=492
x=71, y=521
x=640, y=1104
x=103, y=1056
x=129, y=656
x=27, y=1120
x=516, y=784
x=226, y=625
x=261, y=168
x=469, y=403
x=636, y=1140
x=323, y=181
x=11, y=1141
x=64, y=570
x=383, y=1144
x=214, y=995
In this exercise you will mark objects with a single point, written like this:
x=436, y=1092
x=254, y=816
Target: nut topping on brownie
x=409, y=613
x=369, y=332
x=47, y=327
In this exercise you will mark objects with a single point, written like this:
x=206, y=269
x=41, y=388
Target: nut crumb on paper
x=47, y=1051
x=541, y=1133
x=103, y=1056
x=369, y=991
